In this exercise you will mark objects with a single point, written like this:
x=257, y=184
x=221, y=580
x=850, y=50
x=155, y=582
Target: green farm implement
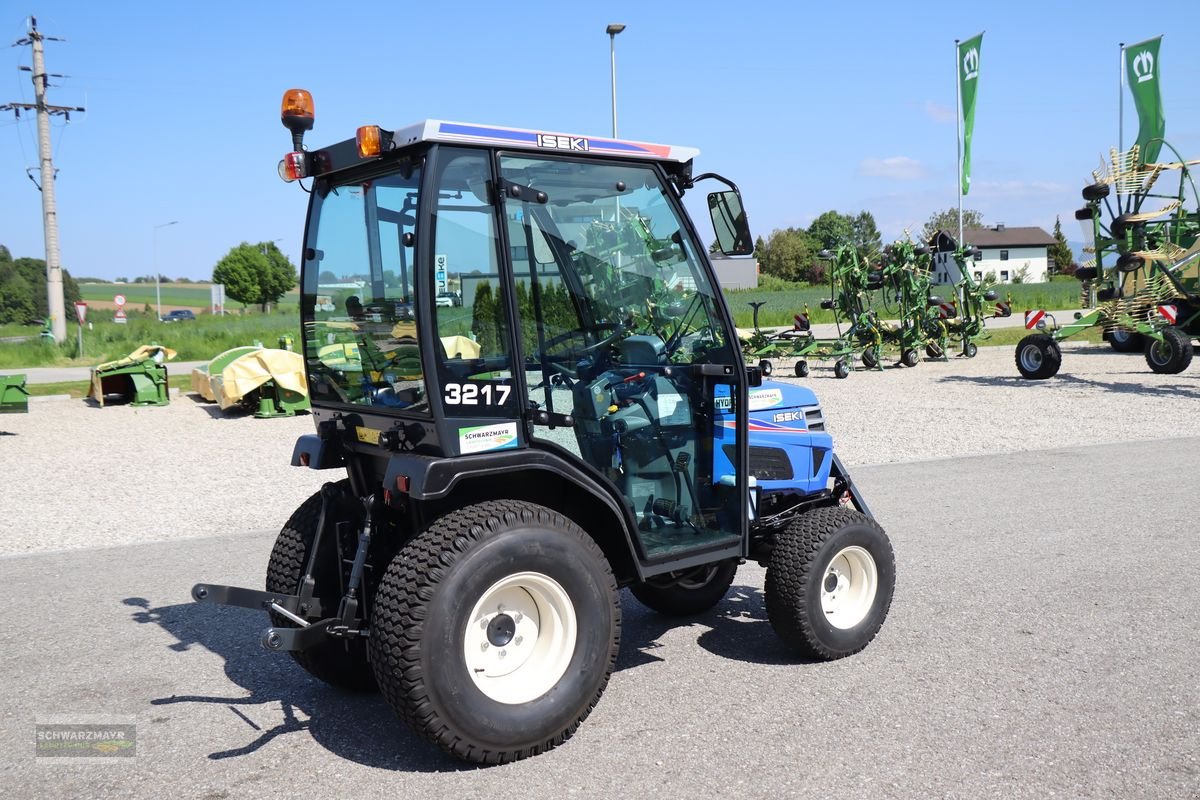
x=139, y=378
x=851, y=281
x=1144, y=226
x=14, y=397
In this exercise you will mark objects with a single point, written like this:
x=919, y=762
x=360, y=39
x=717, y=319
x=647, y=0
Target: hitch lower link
x=300, y=607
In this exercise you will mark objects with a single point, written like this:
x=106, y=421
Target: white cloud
x=939, y=113
x=900, y=168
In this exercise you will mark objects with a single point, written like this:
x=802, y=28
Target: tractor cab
x=590, y=339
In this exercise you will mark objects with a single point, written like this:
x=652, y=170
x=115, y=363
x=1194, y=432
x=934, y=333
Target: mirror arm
x=717, y=177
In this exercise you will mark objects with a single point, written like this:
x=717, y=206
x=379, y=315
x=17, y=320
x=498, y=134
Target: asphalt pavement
x=1041, y=642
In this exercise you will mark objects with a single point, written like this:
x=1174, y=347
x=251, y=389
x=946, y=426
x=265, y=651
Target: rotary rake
x=1143, y=224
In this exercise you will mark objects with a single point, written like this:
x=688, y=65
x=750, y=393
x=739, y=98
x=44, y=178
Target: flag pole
x=958, y=138
x=1121, y=102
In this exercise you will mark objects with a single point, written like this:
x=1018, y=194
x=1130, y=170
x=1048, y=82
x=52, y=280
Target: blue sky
x=808, y=107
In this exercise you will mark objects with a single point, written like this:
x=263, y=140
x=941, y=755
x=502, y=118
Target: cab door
x=628, y=357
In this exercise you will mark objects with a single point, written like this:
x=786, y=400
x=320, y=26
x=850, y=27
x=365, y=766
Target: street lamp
x=154, y=265
x=612, y=31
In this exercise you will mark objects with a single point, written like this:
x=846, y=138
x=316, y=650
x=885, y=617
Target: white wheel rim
x=848, y=587
x=520, y=637
x=1031, y=357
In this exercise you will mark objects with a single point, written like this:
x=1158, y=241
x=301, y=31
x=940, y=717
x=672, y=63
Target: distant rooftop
x=1004, y=236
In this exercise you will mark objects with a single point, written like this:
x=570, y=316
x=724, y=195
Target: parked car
x=448, y=300
x=179, y=315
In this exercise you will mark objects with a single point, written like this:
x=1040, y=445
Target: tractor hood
x=770, y=398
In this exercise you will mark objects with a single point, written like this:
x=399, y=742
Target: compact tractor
x=1142, y=222
x=581, y=422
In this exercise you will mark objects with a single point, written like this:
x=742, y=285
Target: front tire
x=687, y=593
x=1038, y=357
x=766, y=367
x=830, y=580
x=841, y=370
x=495, y=630
x=970, y=350
x=338, y=662
x=801, y=369
x=1170, y=356
x=909, y=358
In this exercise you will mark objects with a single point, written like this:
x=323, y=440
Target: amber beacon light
x=296, y=114
x=370, y=141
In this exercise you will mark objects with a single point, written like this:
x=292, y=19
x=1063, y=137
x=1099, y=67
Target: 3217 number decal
x=476, y=393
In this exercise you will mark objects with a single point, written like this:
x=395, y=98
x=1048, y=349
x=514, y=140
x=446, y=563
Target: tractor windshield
x=610, y=258
x=360, y=326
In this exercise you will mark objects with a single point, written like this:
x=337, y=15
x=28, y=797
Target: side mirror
x=729, y=223
x=754, y=377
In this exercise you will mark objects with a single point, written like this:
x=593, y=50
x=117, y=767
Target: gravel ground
x=78, y=476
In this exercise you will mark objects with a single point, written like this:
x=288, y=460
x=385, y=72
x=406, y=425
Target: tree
x=257, y=274
x=23, y=289
x=947, y=220
x=864, y=234
x=483, y=319
x=1062, y=260
x=832, y=229
x=788, y=253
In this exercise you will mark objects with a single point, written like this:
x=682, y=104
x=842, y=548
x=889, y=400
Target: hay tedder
x=1143, y=224
x=851, y=282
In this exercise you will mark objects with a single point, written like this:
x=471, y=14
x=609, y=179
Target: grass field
x=193, y=341
x=137, y=295
x=80, y=388
x=781, y=304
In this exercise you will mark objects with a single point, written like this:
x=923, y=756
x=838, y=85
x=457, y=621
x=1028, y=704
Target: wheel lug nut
x=503, y=653
x=517, y=641
x=483, y=645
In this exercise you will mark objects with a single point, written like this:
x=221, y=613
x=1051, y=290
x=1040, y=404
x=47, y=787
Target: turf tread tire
x=679, y=601
x=794, y=567
x=402, y=602
x=1179, y=356
x=334, y=661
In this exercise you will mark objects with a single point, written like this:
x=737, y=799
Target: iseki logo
x=971, y=64
x=1143, y=66
x=551, y=141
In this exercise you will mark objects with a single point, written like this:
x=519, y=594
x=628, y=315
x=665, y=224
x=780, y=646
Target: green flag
x=968, y=79
x=1141, y=69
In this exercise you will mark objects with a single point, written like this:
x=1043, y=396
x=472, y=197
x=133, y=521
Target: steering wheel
x=618, y=330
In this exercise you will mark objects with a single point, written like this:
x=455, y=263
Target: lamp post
x=612, y=31
x=154, y=265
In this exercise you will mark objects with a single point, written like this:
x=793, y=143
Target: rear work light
x=293, y=167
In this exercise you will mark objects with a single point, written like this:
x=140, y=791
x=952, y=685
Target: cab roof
x=437, y=130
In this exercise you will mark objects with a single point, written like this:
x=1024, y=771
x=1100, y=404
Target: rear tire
x=830, y=581
x=1124, y=341
x=1038, y=357
x=485, y=583
x=338, y=662
x=1170, y=356
x=687, y=593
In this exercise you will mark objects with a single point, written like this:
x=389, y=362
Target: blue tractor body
x=789, y=448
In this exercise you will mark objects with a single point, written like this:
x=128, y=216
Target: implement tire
x=338, y=662
x=1124, y=341
x=1038, y=357
x=1170, y=356
x=687, y=593
x=495, y=630
x=829, y=583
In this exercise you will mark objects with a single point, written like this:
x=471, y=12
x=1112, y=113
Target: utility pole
x=54, y=282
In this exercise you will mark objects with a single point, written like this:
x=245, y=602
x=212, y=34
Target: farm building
x=1008, y=253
